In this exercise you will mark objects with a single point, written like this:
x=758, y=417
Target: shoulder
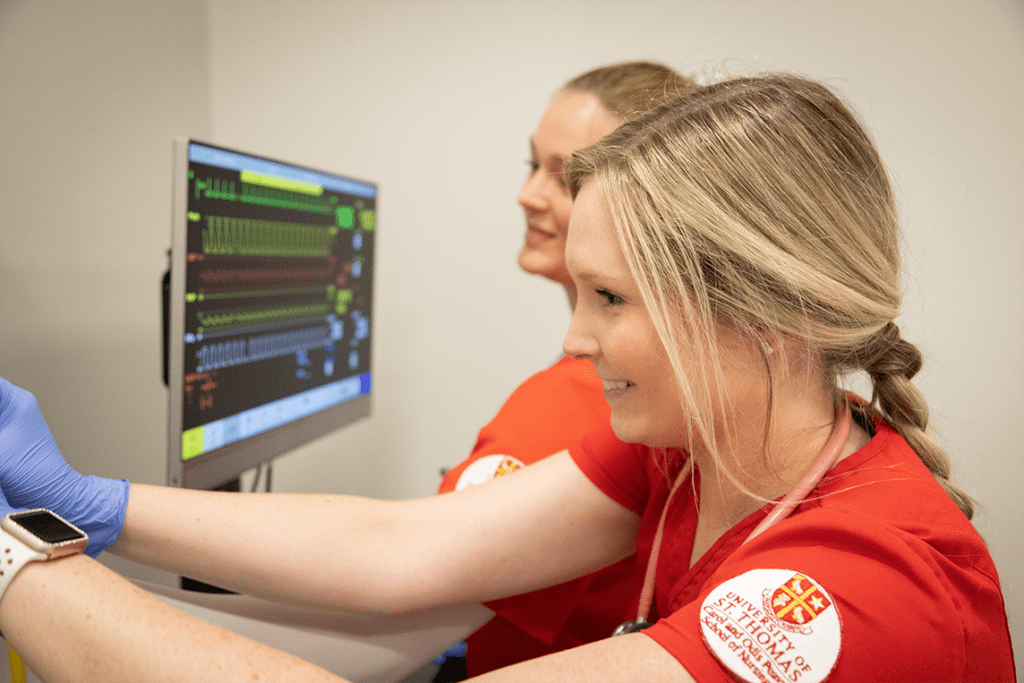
x=885, y=486
x=884, y=551
x=545, y=414
x=881, y=515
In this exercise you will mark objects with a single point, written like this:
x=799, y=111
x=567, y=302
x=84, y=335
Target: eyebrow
x=603, y=279
x=560, y=158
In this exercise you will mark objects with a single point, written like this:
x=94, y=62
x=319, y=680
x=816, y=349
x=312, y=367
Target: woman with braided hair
x=754, y=231
x=735, y=256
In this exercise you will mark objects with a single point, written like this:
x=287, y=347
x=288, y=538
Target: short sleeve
x=618, y=468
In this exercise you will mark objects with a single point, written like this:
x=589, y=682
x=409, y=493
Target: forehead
x=592, y=249
x=571, y=121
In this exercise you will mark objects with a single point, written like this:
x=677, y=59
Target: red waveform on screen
x=235, y=275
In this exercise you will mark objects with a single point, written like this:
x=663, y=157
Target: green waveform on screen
x=215, y=188
x=263, y=194
x=228, y=236
x=285, y=199
x=241, y=318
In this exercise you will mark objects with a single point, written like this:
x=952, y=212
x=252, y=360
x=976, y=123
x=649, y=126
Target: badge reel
x=634, y=626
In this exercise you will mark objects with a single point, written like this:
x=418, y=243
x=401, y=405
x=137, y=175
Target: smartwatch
x=33, y=535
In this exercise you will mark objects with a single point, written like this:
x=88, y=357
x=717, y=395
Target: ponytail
x=892, y=362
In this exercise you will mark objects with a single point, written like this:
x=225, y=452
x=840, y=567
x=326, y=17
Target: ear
x=780, y=350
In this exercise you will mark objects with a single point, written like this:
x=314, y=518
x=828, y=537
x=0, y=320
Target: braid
x=892, y=362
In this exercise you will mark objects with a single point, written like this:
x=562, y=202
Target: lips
x=536, y=236
x=616, y=385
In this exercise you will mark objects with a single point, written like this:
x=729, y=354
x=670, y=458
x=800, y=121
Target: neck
x=765, y=469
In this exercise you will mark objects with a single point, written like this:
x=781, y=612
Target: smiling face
x=572, y=120
x=612, y=328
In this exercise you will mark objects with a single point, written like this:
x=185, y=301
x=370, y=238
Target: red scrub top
x=877, y=576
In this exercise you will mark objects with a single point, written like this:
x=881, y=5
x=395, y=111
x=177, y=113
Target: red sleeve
x=544, y=415
x=582, y=610
x=619, y=469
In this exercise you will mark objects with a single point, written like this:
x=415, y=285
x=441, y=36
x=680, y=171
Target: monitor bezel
x=227, y=463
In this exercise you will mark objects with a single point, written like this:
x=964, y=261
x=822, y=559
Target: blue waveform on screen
x=217, y=355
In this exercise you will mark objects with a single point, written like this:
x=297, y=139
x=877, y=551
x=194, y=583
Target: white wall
x=435, y=101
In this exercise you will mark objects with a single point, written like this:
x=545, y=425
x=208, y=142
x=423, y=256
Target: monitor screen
x=268, y=309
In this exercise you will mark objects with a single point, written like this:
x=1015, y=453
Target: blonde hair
x=628, y=88
x=761, y=204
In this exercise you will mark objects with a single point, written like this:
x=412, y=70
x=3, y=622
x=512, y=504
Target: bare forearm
x=74, y=620
x=311, y=549
x=384, y=556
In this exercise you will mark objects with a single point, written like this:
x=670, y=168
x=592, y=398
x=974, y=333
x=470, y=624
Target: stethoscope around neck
x=835, y=443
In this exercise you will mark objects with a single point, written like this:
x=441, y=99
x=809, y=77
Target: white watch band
x=13, y=556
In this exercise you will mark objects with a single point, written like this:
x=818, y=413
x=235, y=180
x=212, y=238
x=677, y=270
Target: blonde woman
x=734, y=253
x=748, y=240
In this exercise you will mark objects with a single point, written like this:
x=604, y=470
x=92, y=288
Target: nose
x=531, y=195
x=579, y=342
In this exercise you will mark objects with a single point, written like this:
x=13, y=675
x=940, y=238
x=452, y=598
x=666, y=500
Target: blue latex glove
x=5, y=507
x=33, y=474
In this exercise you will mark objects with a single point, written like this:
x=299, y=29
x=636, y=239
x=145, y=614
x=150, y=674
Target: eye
x=533, y=165
x=610, y=298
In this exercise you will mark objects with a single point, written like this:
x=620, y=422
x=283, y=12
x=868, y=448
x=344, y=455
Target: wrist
x=37, y=535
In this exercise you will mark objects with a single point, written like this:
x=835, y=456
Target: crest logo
x=486, y=468
x=797, y=602
x=507, y=466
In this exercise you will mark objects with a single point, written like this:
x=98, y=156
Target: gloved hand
x=33, y=474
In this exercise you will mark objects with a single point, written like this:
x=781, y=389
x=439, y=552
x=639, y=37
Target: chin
x=538, y=264
x=632, y=432
x=628, y=432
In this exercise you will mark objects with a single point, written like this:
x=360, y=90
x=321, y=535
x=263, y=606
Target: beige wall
x=435, y=101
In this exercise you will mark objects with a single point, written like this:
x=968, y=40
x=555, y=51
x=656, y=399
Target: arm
x=74, y=620
x=381, y=555
x=633, y=657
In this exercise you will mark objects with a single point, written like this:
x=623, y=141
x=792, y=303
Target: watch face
x=47, y=526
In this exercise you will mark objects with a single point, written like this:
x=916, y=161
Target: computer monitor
x=268, y=309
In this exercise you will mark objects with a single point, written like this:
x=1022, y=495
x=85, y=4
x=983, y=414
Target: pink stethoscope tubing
x=835, y=443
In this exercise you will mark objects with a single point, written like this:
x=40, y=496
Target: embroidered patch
x=487, y=468
x=773, y=626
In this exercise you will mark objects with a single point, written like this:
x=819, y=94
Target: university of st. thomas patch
x=487, y=468
x=772, y=626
